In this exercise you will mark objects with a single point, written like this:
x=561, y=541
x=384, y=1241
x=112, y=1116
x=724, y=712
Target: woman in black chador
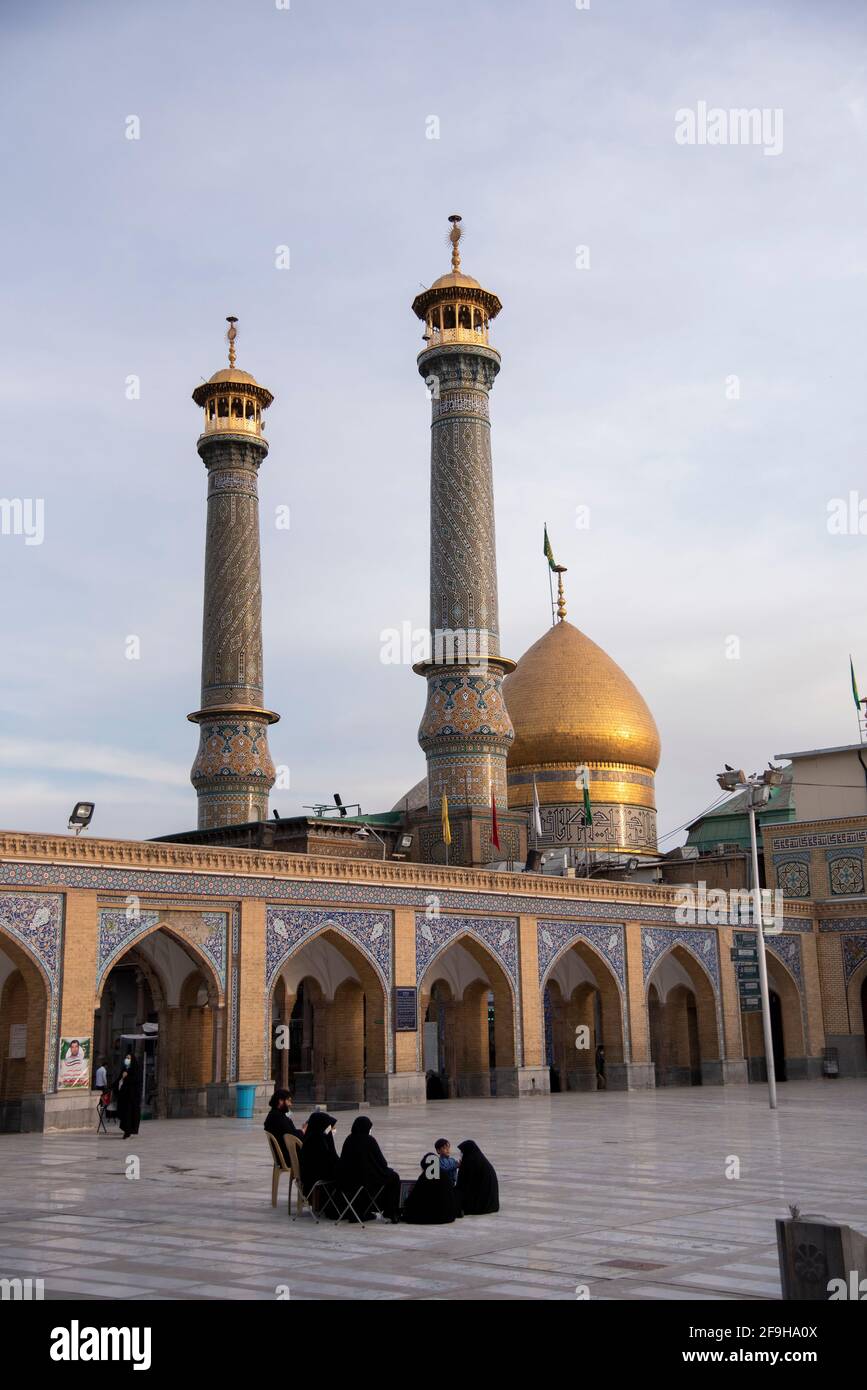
x=127, y=1096
x=432, y=1201
x=362, y=1164
x=318, y=1155
x=477, y=1190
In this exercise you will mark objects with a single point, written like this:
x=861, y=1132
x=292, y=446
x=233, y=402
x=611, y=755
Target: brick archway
x=25, y=1018
x=787, y=1019
x=476, y=1025
x=683, y=1023
x=590, y=1014
x=349, y=1030
x=183, y=995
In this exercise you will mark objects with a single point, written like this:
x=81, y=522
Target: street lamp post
x=364, y=834
x=758, y=788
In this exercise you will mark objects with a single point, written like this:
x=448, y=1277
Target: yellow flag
x=447, y=830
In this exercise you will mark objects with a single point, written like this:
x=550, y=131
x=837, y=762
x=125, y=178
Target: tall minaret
x=233, y=772
x=466, y=731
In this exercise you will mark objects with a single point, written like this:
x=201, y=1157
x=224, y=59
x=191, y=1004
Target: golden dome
x=454, y=280
x=449, y=287
x=233, y=374
x=570, y=703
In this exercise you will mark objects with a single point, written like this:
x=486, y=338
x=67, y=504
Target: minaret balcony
x=440, y=337
x=233, y=424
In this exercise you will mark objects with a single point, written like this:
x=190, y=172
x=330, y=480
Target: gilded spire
x=560, y=570
x=454, y=237
x=231, y=335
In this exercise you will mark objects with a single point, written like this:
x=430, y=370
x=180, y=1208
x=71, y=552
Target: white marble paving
x=591, y=1187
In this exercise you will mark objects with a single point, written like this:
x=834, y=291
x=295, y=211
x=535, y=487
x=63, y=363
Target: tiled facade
x=243, y=917
x=824, y=860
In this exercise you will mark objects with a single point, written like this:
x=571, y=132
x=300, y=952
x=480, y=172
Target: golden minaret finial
x=231, y=335
x=560, y=570
x=454, y=237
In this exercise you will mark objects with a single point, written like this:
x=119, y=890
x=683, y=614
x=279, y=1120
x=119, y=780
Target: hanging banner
x=74, y=1070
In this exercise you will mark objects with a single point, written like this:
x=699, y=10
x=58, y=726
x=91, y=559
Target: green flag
x=855, y=695
x=582, y=780
x=549, y=554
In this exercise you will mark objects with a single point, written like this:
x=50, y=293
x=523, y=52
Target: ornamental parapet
x=143, y=854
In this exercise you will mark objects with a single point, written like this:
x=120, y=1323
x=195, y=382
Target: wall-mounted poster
x=74, y=1070
x=17, y=1041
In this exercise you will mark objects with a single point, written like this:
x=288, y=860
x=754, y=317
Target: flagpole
x=550, y=585
x=857, y=698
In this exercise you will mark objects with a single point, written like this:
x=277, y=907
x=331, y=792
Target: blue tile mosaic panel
x=609, y=941
x=498, y=934
x=656, y=941
x=118, y=931
x=854, y=952
x=288, y=928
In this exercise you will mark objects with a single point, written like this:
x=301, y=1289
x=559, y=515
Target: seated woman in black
x=432, y=1201
x=318, y=1155
x=477, y=1189
x=362, y=1165
x=279, y=1122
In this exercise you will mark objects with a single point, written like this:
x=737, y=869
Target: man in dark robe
x=362, y=1165
x=278, y=1121
x=127, y=1096
x=319, y=1157
x=432, y=1201
x=478, y=1191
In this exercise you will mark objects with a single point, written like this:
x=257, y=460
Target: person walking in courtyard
x=127, y=1095
x=362, y=1165
x=448, y=1165
x=432, y=1201
x=279, y=1122
x=601, y=1083
x=478, y=1191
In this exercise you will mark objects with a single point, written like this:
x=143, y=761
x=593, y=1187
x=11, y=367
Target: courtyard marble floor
x=625, y=1193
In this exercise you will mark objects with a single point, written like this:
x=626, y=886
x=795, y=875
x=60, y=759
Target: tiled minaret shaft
x=466, y=731
x=233, y=772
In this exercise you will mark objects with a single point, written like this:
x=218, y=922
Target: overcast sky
x=308, y=127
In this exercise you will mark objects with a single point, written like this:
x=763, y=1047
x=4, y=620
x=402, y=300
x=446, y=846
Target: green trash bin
x=245, y=1097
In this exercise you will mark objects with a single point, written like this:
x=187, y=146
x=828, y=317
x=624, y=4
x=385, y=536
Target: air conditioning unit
x=727, y=847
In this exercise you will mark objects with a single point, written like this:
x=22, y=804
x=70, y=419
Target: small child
x=448, y=1165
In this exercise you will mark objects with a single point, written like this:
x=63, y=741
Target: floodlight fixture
x=82, y=815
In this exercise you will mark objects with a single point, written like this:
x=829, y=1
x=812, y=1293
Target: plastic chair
x=293, y=1168
x=280, y=1167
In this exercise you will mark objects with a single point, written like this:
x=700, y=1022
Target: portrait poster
x=74, y=1070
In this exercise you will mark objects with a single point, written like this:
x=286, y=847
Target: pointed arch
x=683, y=1020
x=787, y=1020
x=588, y=1016
x=342, y=1062
x=471, y=1039
x=854, y=988
x=186, y=944
x=26, y=999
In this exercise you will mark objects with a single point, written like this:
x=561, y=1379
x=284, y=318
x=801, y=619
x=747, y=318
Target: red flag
x=495, y=834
